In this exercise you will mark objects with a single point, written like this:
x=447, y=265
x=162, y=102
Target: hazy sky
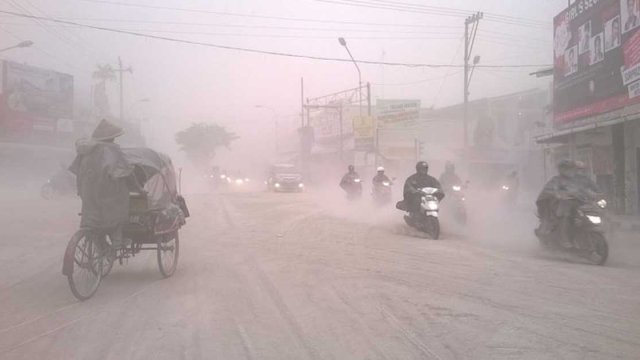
x=195, y=82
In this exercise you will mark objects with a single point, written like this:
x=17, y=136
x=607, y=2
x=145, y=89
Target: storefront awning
x=561, y=136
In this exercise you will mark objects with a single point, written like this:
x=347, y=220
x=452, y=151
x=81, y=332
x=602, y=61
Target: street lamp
x=343, y=42
x=22, y=44
x=275, y=123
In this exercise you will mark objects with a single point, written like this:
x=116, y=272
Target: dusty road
x=268, y=276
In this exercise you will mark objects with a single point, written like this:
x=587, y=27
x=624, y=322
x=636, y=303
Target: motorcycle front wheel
x=432, y=227
x=599, y=251
x=46, y=191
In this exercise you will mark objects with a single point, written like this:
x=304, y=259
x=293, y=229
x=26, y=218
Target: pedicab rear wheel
x=83, y=265
x=168, y=251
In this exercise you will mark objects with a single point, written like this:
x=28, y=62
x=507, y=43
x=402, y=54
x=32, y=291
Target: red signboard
x=596, y=58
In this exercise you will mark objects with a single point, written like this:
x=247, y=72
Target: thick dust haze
x=266, y=263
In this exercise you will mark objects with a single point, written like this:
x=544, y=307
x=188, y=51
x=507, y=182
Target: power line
x=274, y=35
x=188, y=23
x=429, y=11
x=420, y=81
x=499, y=16
x=38, y=48
x=201, y=11
x=265, y=52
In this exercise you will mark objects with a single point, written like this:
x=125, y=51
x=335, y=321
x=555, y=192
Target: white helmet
x=380, y=168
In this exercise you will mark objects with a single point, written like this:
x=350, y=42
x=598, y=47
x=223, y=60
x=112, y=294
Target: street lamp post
x=343, y=42
x=22, y=44
x=275, y=122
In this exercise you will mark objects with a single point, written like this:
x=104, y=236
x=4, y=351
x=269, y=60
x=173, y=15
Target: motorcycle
x=457, y=202
x=61, y=184
x=588, y=241
x=427, y=219
x=508, y=194
x=353, y=187
x=381, y=193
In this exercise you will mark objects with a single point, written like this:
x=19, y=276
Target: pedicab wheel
x=83, y=265
x=46, y=191
x=600, y=248
x=168, y=250
x=107, y=265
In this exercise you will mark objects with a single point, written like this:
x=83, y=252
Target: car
x=285, y=178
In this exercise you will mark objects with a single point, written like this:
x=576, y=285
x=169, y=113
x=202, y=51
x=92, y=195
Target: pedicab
x=155, y=218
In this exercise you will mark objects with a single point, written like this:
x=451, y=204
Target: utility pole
x=301, y=103
x=469, y=40
x=120, y=71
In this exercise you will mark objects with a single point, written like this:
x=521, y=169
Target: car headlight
x=457, y=188
x=239, y=181
x=602, y=203
x=301, y=185
x=246, y=180
x=505, y=187
x=223, y=176
x=594, y=219
x=277, y=185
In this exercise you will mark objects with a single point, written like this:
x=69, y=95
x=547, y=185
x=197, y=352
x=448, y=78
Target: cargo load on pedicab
x=157, y=211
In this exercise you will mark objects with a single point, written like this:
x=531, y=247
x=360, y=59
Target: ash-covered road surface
x=279, y=276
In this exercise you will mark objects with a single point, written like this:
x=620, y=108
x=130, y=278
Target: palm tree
x=104, y=73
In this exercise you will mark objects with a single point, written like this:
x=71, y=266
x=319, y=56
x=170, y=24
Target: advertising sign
x=596, y=58
x=364, y=133
x=36, y=92
x=397, y=111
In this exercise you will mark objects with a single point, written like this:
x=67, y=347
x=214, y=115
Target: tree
x=200, y=141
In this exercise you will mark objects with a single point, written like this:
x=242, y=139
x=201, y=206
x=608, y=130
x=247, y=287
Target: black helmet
x=422, y=165
x=351, y=168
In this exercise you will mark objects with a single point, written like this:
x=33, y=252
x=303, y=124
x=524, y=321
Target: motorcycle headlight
x=223, y=176
x=277, y=185
x=602, y=203
x=594, y=219
x=431, y=205
x=386, y=183
x=457, y=188
x=356, y=180
x=505, y=187
x=239, y=181
x=301, y=185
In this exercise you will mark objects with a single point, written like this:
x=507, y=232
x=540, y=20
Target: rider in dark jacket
x=556, y=205
x=349, y=178
x=449, y=177
x=417, y=181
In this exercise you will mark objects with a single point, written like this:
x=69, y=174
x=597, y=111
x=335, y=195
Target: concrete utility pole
x=469, y=40
x=120, y=71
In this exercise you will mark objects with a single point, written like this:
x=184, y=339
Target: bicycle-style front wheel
x=83, y=265
x=168, y=250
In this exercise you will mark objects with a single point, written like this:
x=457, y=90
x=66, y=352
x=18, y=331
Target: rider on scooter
x=413, y=185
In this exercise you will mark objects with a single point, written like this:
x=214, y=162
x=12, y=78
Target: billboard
x=364, y=133
x=596, y=58
x=36, y=93
x=397, y=111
